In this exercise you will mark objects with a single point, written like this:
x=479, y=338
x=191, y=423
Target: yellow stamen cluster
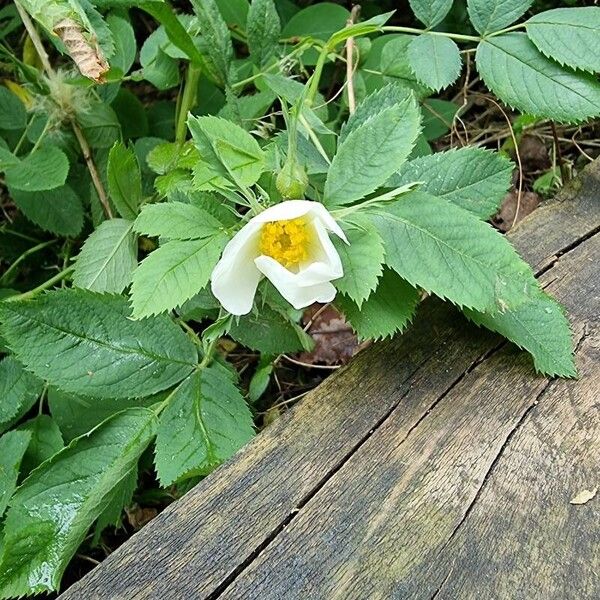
x=285, y=241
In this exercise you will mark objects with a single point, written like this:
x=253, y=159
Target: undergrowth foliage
x=157, y=214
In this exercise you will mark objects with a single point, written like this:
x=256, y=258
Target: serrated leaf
x=442, y=248
x=124, y=181
x=53, y=509
x=12, y=449
x=44, y=169
x=570, y=36
x=173, y=274
x=46, y=441
x=389, y=309
x=431, y=12
x=215, y=34
x=85, y=342
x=125, y=44
x=18, y=391
x=108, y=258
x=100, y=125
x=204, y=424
x=263, y=29
x=12, y=111
x=77, y=415
x=269, y=331
x=59, y=210
x=176, y=221
x=473, y=178
x=488, y=16
x=395, y=66
x=386, y=97
x=435, y=60
x=540, y=327
x=513, y=68
x=438, y=116
x=228, y=152
x=371, y=153
x=362, y=260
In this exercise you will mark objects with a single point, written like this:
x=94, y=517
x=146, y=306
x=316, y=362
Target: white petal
x=235, y=278
x=325, y=263
x=292, y=209
x=291, y=285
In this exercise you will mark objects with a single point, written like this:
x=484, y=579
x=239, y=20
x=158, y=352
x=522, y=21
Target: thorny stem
x=40, y=288
x=85, y=148
x=188, y=101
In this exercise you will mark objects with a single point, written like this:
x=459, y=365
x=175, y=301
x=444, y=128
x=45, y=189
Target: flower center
x=285, y=241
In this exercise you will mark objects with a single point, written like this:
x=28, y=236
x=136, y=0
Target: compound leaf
x=435, y=60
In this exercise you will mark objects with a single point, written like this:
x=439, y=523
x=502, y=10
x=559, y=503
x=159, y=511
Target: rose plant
x=222, y=209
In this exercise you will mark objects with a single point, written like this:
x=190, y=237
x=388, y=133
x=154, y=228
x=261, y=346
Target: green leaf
x=159, y=68
x=215, y=34
x=131, y=114
x=176, y=221
x=442, y=248
x=540, y=327
x=12, y=111
x=228, y=152
x=235, y=12
x=435, y=60
x=431, y=12
x=85, y=342
x=12, y=449
x=59, y=210
x=362, y=260
x=100, y=125
x=77, y=415
x=173, y=274
x=124, y=180
x=513, y=68
x=371, y=153
x=46, y=441
x=125, y=44
x=389, y=309
x=53, y=509
x=204, y=424
x=108, y=258
x=569, y=36
x=473, y=178
x=386, y=97
x=269, y=331
x=488, y=16
x=18, y=391
x=44, y=169
x=7, y=158
x=319, y=22
x=356, y=30
x=263, y=29
x=120, y=498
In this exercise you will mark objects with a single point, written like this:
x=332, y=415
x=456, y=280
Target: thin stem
x=188, y=101
x=89, y=161
x=208, y=354
x=35, y=38
x=20, y=259
x=350, y=61
x=564, y=173
x=502, y=31
x=40, y=288
x=41, y=136
x=454, y=36
x=316, y=76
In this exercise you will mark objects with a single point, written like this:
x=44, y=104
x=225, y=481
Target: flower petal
x=291, y=285
x=235, y=277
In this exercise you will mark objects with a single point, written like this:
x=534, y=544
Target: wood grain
x=399, y=410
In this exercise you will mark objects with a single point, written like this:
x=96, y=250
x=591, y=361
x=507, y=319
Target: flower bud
x=292, y=180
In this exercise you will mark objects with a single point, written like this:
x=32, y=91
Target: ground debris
x=583, y=496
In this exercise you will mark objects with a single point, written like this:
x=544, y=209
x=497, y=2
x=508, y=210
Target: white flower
x=289, y=245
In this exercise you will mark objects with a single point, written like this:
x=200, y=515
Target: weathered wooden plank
x=415, y=491
x=195, y=546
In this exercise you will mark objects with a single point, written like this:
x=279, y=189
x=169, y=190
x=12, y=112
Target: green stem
x=454, y=36
x=40, y=288
x=208, y=354
x=21, y=258
x=41, y=137
x=316, y=76
x=188, y=101
x=502, y=31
